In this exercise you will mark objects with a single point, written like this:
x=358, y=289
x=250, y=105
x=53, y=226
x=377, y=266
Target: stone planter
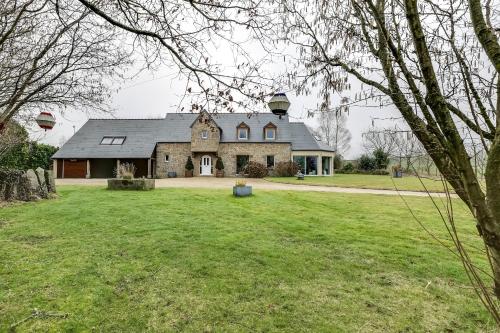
x=242, y=191
x=141, y=184
x=188, y=173
x=171, y=174
x=219, y=173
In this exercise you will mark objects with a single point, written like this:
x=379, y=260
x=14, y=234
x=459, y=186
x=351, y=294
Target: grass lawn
x=407, y=183
x=201, y=260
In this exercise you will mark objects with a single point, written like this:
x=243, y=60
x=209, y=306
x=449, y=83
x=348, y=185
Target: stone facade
x=204, y=125
x=177, y=157
x=257, y=152
x=179, y=152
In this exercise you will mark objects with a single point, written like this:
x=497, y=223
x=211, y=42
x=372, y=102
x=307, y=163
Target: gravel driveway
x=260, y=184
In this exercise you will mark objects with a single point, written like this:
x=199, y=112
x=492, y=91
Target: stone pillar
x=320, y=165
x=88, y=169
x=62, y=173
x=117, y=168
x=149, y=168
x=54, y=168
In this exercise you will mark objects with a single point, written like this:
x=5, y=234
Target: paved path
x=225, y=183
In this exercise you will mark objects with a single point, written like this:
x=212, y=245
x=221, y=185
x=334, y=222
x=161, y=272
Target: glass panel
x=301, y=161
x=243, y=133
x=270, y=132
x=325, y=161
x=204, y=134
x=311, y=165
x=106, y=140
x=118, y=141
x=241, y=162
x=270, y=161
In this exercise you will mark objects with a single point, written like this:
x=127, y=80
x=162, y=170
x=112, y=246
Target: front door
x=206, y=165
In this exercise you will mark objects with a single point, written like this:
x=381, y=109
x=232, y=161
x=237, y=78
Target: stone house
x=159, y=146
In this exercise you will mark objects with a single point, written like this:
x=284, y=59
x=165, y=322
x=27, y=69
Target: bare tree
x=53, y=54
x=187, y=35
x=438, y=63
x=333, y=130
x=379, y=138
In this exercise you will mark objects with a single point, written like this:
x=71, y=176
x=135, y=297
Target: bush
x=363, y=172
x=285, y=169
x=189, y=164
x=255, y=170
x=381, y=159
x=219, y=165
x=366, y=163
x=338, y=162
x=348, y=167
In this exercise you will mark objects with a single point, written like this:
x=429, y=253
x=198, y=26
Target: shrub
x=189, y=164
x=219, y=165
x=338, y=161
x=348, y=167
x=286, y=169
x=255, y=170
x=366, y=163
x=126, y=171
x=381, y=159
x=240, y=183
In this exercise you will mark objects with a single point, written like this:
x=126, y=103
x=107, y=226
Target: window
x=270, y=133
x=118, y=141
x=204, y=134
x=106, y=140
x=167, y=158
x=242, y=133
x=241, y=163
x=113, y=140
x=270, y=161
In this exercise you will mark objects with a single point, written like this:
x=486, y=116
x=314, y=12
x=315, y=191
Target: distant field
x=192, y=260
x=407, y=183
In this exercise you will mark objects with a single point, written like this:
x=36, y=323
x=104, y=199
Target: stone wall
x=257, y=152
x=204, y=123
x=178, y=154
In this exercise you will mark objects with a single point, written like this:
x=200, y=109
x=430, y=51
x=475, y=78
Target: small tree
x=189, y=164
x=381, y=159
x=338, y=161
x=366, y=162
x=219, y=165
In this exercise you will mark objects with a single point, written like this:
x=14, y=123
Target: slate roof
x=142, y=135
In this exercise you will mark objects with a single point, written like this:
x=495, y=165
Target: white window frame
x=246, y=131
x=270, y=129
x=167, y=158
x=204, y=134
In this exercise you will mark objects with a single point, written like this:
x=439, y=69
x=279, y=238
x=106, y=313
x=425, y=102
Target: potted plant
x=240, y=189
x=219, y=168
x=189, y=167
x=397, y=171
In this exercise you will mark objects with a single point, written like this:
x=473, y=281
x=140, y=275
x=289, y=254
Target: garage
x=71, y=168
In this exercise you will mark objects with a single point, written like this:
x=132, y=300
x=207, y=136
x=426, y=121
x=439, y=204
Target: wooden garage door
x=75, y=168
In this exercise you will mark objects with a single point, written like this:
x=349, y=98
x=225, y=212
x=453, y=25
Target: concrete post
x=54, y=168
x=117, y=168
x=88, y=169
x=62, y=173
x=320, y=164
x=149, y=168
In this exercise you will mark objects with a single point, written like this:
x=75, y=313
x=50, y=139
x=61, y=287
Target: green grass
x=407, y=183
x=201, y=260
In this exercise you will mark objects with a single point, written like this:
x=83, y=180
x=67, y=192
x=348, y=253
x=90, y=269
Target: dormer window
x=204, y=134
x=270, y=132
x=113, y=140
x=243, y=131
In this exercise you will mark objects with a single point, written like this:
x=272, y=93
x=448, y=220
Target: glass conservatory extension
x=314, y=165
